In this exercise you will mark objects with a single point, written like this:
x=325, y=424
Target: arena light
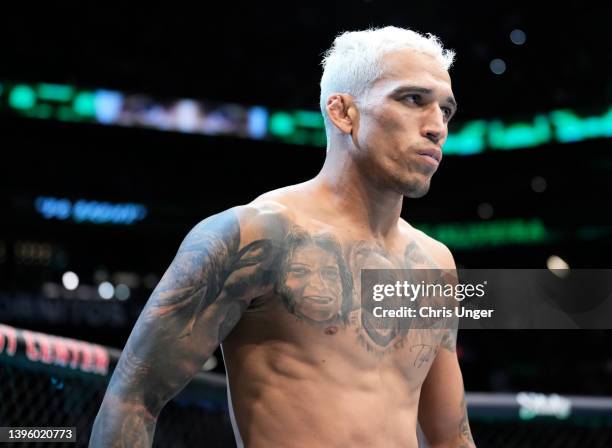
x=122, y=292
x=518, y=37
x=41, y=111
x=498, y=66
x=534, y=404
x=558, y=266
x=87, y=211
x=299, y=127
x=84, y=104
x=469, y=140
x=53, y=208
x=485, y=210
x=70, y=280
x=572, y=128
x=473, y=235
x=106, y=290
x=258, y=122
x=519, y=135
x=32, y=252
x=55, y=92
x=107, y=106
x=594, y=232
x=187, y=115
x=22, y=97
x=281, y=124
x=309, y=119
x=107, y=213
x=538, y=184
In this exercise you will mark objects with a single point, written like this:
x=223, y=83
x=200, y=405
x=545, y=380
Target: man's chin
x=416, y=189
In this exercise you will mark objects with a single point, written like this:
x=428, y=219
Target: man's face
x=313, y=283
x=403, y=122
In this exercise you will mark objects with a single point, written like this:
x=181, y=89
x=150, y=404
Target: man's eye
x=447, y=112
x=413, y=98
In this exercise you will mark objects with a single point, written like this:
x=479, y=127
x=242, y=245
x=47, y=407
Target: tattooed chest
x=318, y=280
x=323, y=274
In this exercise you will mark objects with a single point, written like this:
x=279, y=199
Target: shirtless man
x=278, y=280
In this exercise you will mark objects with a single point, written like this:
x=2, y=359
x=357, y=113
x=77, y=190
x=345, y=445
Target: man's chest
x=317, y=297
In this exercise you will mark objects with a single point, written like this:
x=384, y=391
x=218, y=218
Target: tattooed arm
x=223, y=263
x=442, y=408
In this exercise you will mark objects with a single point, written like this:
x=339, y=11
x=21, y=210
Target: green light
x=526, y=414
x=308, y=119
x=519, y=135
x=567, y=125
x=281, y=124
x=22, y=97
x=42, y=111
x=55, y=92
x=491, y=233
x=85, y=104
x=306, y=127
x=469, y=140
x=319, y=138
x=299, y=137
x=571, y=128
x=65, y=113
x=594, y=232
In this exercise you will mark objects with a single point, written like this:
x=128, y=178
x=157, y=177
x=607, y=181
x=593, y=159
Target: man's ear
x=342, y=112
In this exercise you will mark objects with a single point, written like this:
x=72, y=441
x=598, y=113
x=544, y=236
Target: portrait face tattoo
x=314, y=281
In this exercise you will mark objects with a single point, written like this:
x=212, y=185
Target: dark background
x=269, y=54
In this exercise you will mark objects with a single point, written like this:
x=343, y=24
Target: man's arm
x=442, y=408
x=219, y=268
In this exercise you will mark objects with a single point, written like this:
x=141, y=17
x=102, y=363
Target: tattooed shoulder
x=228, y=257
x=427, y=251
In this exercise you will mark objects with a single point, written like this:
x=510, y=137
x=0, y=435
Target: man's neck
x=350, y=192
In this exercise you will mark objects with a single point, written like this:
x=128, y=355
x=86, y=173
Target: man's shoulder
x=259, y=219
x=267, y=217
x=435, y=249
x=283, y=199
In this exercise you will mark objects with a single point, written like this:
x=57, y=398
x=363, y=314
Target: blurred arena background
x=120, y=128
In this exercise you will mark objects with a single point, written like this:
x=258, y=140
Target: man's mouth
x=433, y=155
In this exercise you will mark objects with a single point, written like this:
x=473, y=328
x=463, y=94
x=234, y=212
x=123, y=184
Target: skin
x=313, y=283
x=278, y=282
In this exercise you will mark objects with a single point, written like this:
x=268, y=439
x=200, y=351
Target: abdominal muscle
x=311, y=389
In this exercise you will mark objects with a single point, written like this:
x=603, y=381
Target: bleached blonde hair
x=354, y=60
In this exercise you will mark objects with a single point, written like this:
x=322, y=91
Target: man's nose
x=434, y=127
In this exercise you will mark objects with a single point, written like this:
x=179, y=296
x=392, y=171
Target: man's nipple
x=331, y=330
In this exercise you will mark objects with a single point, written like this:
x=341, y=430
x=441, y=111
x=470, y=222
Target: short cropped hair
x=354, y=60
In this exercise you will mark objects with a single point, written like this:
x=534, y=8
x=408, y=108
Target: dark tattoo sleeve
x=449, y=334
x=466, y=439
x=198, y=301
x=448, y=341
